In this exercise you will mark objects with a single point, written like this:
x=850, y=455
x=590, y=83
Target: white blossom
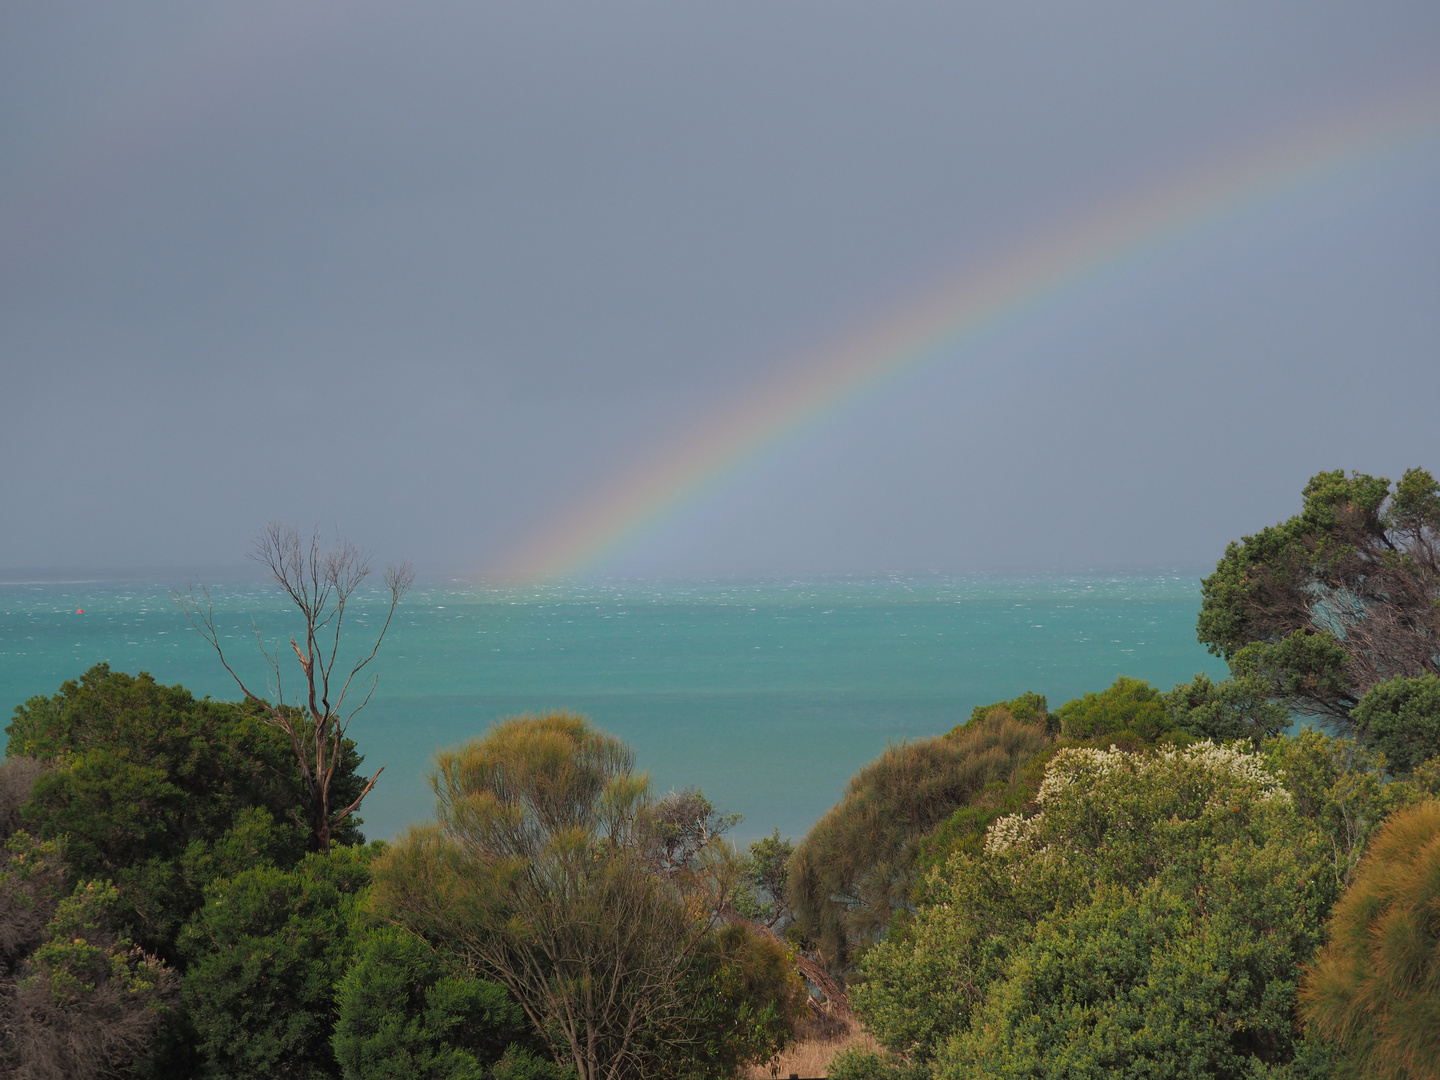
x=1010, y=831
x=1092, y=771
x=1076, y=762
x=1230, y=759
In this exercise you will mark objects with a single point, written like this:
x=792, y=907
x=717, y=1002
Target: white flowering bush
x=1118, y=841
x=1090, y=797
x=1080, y=765
x=1010, y=833
x=1220, y=764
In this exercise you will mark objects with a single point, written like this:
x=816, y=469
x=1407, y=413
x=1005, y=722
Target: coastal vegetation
x=1375, y=989
x=856, y=868
x=319, y=583
x=1228, y=878
x=1337, y=600
x=552, y=869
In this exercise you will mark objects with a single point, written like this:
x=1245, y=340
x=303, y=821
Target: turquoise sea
x=768, y=695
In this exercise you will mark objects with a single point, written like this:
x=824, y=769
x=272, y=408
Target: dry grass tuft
x=811, y=1057
x=1372, y=990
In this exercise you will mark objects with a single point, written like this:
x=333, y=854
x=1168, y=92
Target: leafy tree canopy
x=763, y=892
x=405, y=1010
x=745, y=1001
x=265, y=952
x=552, y=870
x=1127, y=710
x=151, y=785
x=1149, y=917
x=1224, y=711
x=1339, y=598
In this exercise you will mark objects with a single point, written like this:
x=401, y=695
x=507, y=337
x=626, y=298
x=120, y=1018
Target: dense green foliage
x=1375, y=991
x=265, y=952
x=77, y=999
x=1223, y=711
x=762, y=893
x=864, y=864
x=1150, y=918
x=148, y=785
x=860, y=1064
x=743, y=1003
x=407, y=1012
x=855, y=868
x=1343, y=596
x=156, y=794
x=1128, y=710
x=1400, y=718
x=177, y=825
x=1343, y=789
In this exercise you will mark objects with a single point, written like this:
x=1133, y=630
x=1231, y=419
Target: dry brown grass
x=811, y=1057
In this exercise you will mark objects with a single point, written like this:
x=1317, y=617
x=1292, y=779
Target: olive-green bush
x=856, y=867
x=145, y=781
x=265, y=953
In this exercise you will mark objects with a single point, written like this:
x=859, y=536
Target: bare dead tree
x=320, y=581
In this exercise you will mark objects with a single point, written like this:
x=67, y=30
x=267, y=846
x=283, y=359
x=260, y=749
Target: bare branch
x=398, y=579
x=202, y=618
x=320, y=583
x=343, y=814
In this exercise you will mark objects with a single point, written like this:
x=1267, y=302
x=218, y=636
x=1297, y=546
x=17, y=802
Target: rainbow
x=940, y=324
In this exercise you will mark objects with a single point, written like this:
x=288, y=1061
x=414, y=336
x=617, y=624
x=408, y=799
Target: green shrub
x=521, y=1064
x=144, y=780
x=1145, y=983
x=762, y=893
x=856, y=1064
x=1401, y=719
x=266, y=952
x=1028, y=708
x=77, y=999
x=1151, y=916
x=1340, y=787
x=1224, y=711
x=543, y=869
x=1128, y=708
x=406, y=1013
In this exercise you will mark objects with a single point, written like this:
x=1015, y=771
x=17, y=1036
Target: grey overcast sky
x=436, y=274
